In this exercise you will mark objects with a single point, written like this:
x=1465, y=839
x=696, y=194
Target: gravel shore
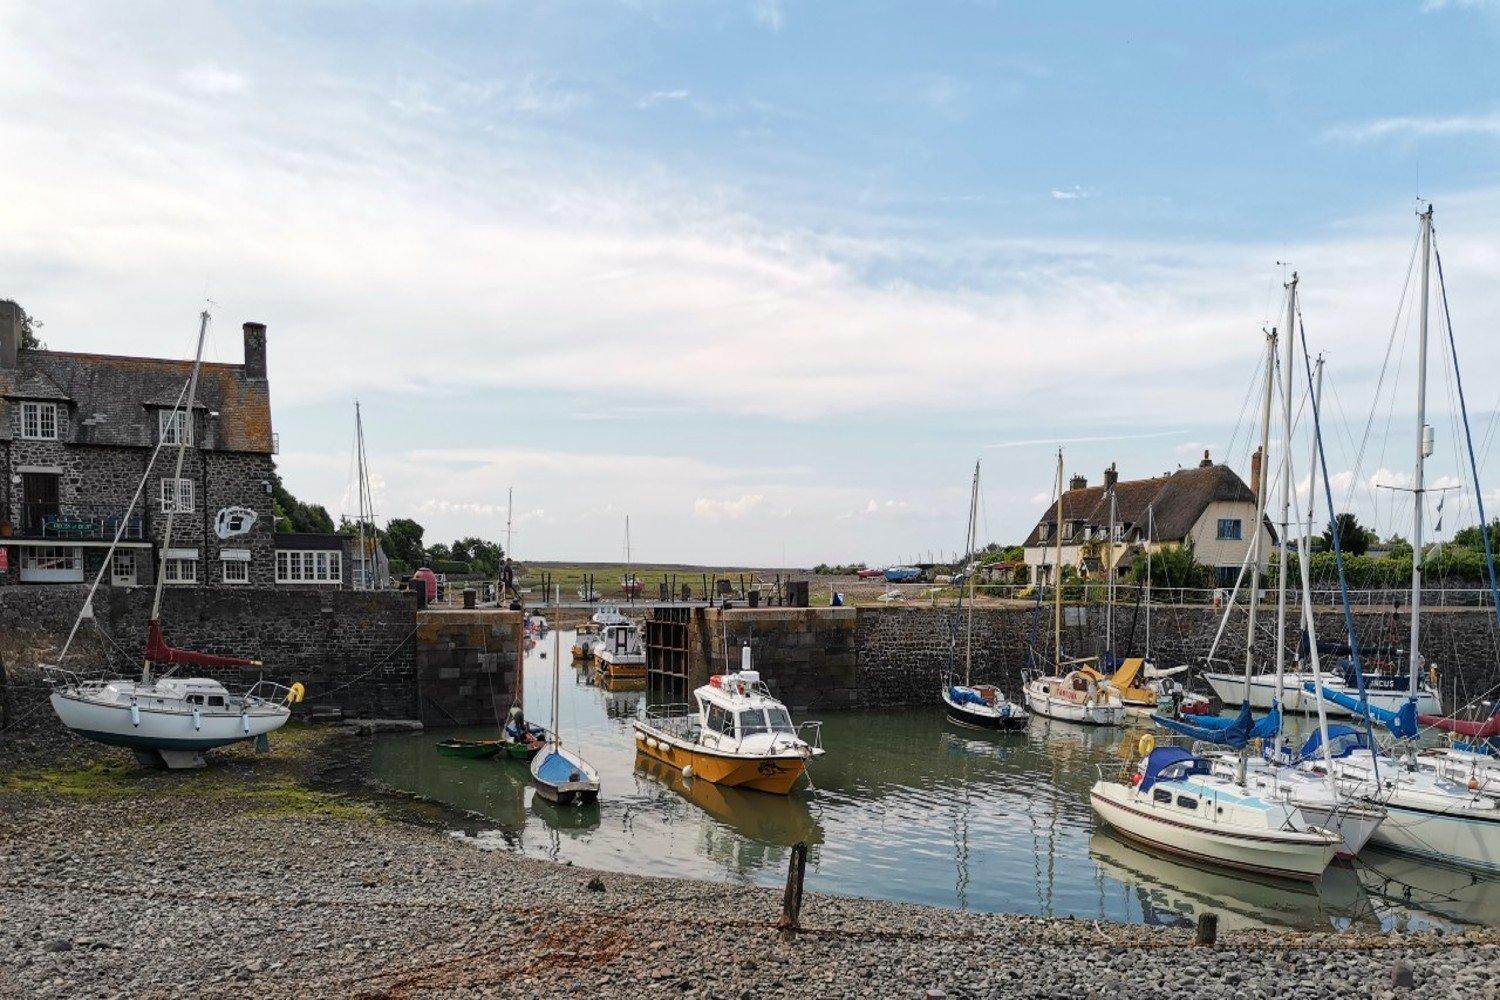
x=250, y=880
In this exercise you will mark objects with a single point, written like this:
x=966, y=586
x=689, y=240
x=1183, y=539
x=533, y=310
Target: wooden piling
x=791, y=902
x=1208, y=929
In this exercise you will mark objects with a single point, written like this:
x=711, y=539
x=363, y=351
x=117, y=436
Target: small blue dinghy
x=561, y=775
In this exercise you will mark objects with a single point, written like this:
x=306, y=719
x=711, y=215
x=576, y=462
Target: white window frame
x=321, y=567
x=185, y=488
x=241, y=571
x=117, y=562
x=168, y=422
x=35, y=421
x=172, y=570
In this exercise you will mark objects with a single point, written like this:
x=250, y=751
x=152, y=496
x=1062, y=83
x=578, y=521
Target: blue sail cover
x=1402, y=723
x=965, y=696
x=1342, y=741
x=1233, y=733
x=1164, y=757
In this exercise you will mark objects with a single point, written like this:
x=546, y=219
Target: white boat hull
x=1454, y=837
x=1230, y=688
x=1097, y=714
x=182, y=734
x=1301, y=855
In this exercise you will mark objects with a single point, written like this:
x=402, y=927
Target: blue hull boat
x=563, y=777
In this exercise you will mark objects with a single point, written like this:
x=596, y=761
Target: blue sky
x=767, y=276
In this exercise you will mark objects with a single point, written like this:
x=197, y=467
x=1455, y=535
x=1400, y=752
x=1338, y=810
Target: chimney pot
x=255, y=350
x=11, y=315
x=1207, y=462
x=1077, y=483
x=1255, y=463
x=1111, y=477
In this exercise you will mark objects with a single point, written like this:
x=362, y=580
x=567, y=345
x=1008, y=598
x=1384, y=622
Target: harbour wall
x=887, y=657
x=359, y=654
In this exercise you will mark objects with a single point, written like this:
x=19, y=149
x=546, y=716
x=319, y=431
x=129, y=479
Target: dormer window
x=173, y=427
x=39, y=421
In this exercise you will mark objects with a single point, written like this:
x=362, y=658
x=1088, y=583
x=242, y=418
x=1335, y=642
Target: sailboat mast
x=972, y=570
x=1058, y=575
x=1150, y=534
x=1260, y=511
x=510, y=503
x=1424, y=448
x=1109, y=579
x=1286, y=489
x=1312, y=466
x=359, y=472
x=183, y=431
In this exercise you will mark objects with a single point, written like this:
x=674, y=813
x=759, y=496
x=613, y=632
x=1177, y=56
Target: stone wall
x=467, y=663
x=354, y=651
x=883, y=657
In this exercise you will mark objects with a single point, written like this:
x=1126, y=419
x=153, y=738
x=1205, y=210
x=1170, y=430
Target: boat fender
x=295, y=694
x=135, y=713
x=245, y=720
x=687, y=772
x=197, y=717
x=1473, y=784
x=1145, y=744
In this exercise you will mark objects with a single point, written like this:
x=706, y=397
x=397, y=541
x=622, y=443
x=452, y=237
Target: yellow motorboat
x=737, y=735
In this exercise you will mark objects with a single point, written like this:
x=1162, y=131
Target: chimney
x=255, y=350
x=1207, y=462
x=1077, y=483
x=10, y=332
x=1111, y=477
x=1255, y=472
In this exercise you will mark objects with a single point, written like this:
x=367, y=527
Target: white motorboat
x=619, y=652
x=175, y=718
x=1080, y=695
x=1174, y=803
x=1295, y=696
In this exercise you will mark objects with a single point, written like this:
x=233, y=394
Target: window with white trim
x=180, y=570
x=122, y=569
x=236, y=571
x=39, y=421
x=310, y=566
x=172, y=426
x=51, y=557
x=177, y=500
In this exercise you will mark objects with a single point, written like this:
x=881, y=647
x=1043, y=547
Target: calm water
x=906, y=807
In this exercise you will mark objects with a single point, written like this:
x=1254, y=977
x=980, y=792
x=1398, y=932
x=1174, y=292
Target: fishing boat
x=560, y=774
x=902, y=574
x=470, y=749
x=166, y=720
x=618, y=654
x=738, y=734
x=981, y=706
x=1173, y=802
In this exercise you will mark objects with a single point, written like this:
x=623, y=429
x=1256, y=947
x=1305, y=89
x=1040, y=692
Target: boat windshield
x=781, y=722
x=752, y=721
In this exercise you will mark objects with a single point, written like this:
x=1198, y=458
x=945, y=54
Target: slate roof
x=1178, y=500
x=113, y=398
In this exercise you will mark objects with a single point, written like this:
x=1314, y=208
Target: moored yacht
x=1081, y=695
x=618, y=652
x=1175, y=803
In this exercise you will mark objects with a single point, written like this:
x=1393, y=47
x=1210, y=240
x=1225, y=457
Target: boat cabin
x=620, y=640
x=738, y=711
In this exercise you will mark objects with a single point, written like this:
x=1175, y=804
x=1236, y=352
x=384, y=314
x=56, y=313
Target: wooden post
x=791, y=903
x=1208, y=929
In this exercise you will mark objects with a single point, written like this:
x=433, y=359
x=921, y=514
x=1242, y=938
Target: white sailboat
x=1081, y=694
x=560, y=774
x=165, y=719
x=982, y=706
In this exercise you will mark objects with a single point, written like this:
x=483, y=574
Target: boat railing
x=811, y=733
x=677, y=718
x=268, y=692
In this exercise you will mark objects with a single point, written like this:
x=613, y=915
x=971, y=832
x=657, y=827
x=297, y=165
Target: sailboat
x=981, y=706
x=1434, y=809
x=1082, y=694
x=560, y=774
x=165, y=719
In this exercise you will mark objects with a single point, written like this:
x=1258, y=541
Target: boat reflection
x=782, y=820
x=1173, y=894
x=572, y=817
x=1418, y=894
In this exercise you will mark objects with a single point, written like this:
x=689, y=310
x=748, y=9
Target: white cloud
x=709, y=509
x=211, y=80
x=663, y=96
x=769, y=13
x=1073, y=193
x=1416, y=128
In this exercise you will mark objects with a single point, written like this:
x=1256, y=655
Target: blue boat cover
x=1165, y=757
x=557, y=770
x=1233, y=733
x=965, y=696
x=1342, y=741
x=1402, y=723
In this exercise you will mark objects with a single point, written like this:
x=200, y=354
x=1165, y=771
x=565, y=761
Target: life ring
x=1146, y=744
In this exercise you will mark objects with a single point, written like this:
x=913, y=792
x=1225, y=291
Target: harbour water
x=906, y=807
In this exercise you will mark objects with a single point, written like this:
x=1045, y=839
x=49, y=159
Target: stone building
x=79, y=431
x=1208, y=506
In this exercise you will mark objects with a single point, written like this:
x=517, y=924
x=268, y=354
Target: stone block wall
x=807, y=656
x=466, y=666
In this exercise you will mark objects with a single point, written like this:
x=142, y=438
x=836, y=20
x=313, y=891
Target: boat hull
x=1044, y=703
x=563, y=777
x=470, y=749
x=774, y=774
x=1451, y=837
x=1231, y=691
x=982, y=717
x=164, y=730
x=1298, y=856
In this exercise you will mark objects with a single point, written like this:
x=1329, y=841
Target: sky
x=767, y=276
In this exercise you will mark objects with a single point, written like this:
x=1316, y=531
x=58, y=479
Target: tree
x=403, y=541
x=1471, y=538
x=29, y=326
x=482, y=556
x=1354, y=538
x=292, y=514
x=1172, y=566
x=438, y=552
